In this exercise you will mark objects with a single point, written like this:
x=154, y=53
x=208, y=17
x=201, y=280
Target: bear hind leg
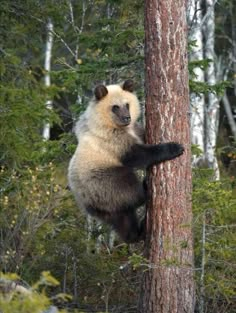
x=128, y=227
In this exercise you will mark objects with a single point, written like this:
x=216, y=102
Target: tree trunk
x=233, y=25
x=47, y=67
x=197, y=101
x=229, y=115
x=168, y=285
x=212, y=109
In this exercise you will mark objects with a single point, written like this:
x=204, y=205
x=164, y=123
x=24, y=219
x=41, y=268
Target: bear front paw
x=175, y=149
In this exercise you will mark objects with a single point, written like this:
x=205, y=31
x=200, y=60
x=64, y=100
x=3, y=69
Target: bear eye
x=127, y=106
x=115, y=108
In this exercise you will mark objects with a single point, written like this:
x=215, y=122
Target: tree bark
x=212, y=109
x=233, y=25
x=197, y=101
x=229, y=114
x=168, y=285
x=47, y=78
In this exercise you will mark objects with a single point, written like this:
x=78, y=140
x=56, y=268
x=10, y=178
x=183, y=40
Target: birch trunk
x=47, y=78
x=197, y=102
x=212, y=108
x=233, y=22
x=226, y=102
x=168, y=285
x=229, y=114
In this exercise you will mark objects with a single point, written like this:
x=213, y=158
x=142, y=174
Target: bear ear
x=100, y=92
x=128, y=85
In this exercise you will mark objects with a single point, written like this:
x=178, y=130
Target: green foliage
x=42, y=229
x=109, y=45
x=137, y=260
x=30, y=300
x=216, y=202
x=29, y=199
x=54, y=150
x=199, y=87
x=22, y=94
x=202, y=87
x=36, y=303
x=22, y=114
x=46, y=279
x=202, y=64
x=195, y=150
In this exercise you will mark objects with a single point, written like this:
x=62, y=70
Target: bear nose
x=126, y=119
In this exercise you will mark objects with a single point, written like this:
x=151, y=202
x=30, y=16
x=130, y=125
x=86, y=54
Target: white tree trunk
x=233, y=23
x=197, y=102
x=212, y=109
x=229, y=114
x=47, y=67
x=226, y=102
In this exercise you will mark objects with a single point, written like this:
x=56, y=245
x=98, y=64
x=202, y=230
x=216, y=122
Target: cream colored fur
x=94, y=130
x=101, y=143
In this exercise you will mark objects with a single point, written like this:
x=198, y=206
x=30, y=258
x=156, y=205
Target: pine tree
x=168, y=285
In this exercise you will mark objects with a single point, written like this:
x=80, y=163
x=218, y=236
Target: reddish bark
x=168, y=287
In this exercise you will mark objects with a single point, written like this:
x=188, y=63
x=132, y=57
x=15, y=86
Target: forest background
x=53, y=53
